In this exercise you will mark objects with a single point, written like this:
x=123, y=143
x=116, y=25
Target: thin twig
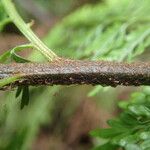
x=67, y=72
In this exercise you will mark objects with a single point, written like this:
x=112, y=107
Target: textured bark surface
x=67, y=72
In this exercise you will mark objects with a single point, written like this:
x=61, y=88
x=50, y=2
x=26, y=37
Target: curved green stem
x=26, y=30
x=9, y=80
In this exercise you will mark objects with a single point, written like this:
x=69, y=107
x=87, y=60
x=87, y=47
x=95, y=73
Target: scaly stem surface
x=68, y=72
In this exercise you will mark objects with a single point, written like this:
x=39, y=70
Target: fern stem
x=27, y=32
x=67, y=72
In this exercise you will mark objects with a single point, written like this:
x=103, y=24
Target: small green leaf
x=19, y=90
x=106, y=133
x=12, y=54
x=128, y=119
x=116, y=124
x=140, y=110
x=18, y=58
x=25, y=97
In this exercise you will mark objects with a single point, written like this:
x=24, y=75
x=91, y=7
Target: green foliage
x=18, y=128
x=131, y=130
x=7, y=57
x=25, y=95
x=115, y=30
x=11, y=55
x=57, y=7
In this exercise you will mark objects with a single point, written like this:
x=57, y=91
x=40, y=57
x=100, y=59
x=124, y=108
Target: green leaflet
x=9, y=80
x=93, y=32
x=13, y=55
x=106, y=133
x=24, y=90
x=131, y=129
x=139, y=110
x=18, y=92
x=25, y=96
x=38, y=112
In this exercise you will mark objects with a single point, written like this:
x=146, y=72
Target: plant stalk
x=68, y=72
x=26, y=30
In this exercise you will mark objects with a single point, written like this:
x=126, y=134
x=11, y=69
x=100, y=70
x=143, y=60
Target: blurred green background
x=60, y=117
